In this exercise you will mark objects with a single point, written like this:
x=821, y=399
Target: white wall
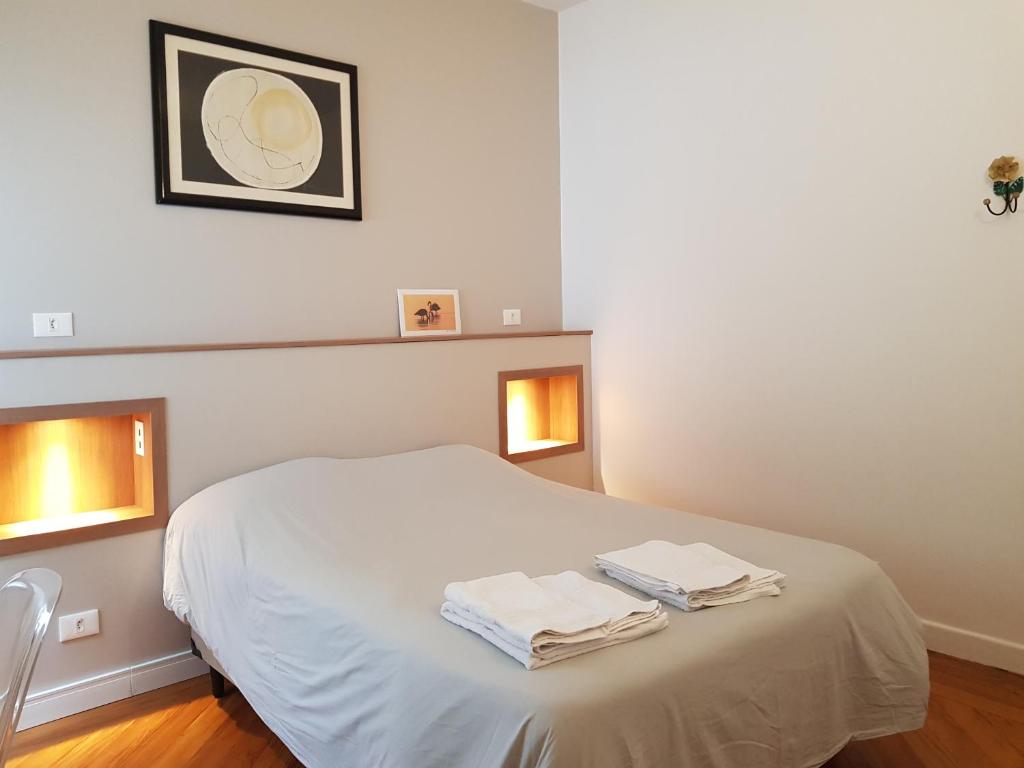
x=459, y=131
x=803, y=317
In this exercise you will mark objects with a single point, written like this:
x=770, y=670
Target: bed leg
x=216, y=678
x=216, y=683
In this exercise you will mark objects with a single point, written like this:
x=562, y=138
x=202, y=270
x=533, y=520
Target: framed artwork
x=429, y=312
x=242, y=125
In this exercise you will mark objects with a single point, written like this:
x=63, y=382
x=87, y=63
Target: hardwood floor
x=173, y=727
x=976, y=720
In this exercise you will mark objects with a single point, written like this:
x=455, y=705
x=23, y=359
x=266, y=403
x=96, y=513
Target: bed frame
x=217, y=676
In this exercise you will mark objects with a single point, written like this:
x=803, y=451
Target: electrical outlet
x=53, y=324
x=77, y=625
x=512, y=316
x=140, y=438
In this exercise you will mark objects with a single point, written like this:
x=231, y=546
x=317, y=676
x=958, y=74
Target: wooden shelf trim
x=161, y=349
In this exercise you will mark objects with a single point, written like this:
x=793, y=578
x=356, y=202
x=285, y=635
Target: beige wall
x=231, y=412
x=459, y=127
x=804, y=319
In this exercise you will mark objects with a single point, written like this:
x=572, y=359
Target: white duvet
x=317, y=583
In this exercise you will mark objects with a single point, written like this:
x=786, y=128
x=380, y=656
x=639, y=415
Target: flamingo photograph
x=429, y=312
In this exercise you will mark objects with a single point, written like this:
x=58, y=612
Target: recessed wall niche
x=540, y=412
x=71, y=473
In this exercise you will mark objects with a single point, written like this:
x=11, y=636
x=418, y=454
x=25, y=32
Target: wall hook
x=1007, y=182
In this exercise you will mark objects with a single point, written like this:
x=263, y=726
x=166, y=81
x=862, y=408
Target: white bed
x=316, y=586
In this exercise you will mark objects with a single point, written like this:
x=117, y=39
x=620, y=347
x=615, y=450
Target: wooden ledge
x=162, y=349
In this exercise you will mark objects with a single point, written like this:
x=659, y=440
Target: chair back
x=26, y=604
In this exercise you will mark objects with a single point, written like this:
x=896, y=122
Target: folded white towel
x=540, y=621
x=689, y=577
x=556, y=652
x=619, y=610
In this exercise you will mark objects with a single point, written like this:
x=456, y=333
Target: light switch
x=53, y=324
x=512, y=316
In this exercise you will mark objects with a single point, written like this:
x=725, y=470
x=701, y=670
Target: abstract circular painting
x=247, y=126
x=262, y=128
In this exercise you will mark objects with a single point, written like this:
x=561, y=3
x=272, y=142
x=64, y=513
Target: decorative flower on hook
x=1005, y=168
x=1007, y=183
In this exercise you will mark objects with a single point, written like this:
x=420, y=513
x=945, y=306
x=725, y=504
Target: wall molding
x=91, y=692
x=974, y=646
x=161, y=349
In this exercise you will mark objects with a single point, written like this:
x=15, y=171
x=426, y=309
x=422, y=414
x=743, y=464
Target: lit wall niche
x=540, y=412
x=71, y=473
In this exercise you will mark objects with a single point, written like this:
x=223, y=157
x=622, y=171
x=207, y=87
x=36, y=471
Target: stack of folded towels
x=690, y=577
x=549, y=618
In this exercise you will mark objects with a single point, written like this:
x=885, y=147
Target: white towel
x=619, y=610
x=540, y=621
x=689, y=577
x=555, y=653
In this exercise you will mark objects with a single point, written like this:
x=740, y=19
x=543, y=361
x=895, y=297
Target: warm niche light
x=77, y=472
x=540, y=412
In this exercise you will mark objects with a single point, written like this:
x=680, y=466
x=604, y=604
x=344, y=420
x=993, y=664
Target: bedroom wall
x=804, y=318
x=459, y=135
x=459, y=131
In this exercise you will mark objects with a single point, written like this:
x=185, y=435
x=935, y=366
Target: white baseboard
x=70, y=699
x=166, y=671
x=974, y=646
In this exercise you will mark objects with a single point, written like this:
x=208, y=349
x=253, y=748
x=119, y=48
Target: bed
x=315, y=585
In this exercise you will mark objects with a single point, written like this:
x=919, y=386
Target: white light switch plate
x=512, y=316
x=53, y=324
x=77, y=625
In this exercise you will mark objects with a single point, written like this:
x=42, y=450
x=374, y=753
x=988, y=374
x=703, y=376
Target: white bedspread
x=316, y=584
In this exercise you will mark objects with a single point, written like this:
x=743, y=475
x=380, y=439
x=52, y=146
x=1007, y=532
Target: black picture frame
x=216, y=193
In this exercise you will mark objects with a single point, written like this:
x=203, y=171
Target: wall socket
x=53, y=324
x=78, y=625
x=512, y=316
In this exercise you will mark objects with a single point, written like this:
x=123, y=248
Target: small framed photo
x=429, y=312
x=244, y=125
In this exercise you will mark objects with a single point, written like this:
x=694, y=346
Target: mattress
x=317, y=585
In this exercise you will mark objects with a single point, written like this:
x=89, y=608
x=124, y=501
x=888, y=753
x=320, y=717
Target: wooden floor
x=976, y=720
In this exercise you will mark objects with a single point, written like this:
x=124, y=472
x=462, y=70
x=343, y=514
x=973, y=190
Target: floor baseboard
x=974, y=646
x=70, y=699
